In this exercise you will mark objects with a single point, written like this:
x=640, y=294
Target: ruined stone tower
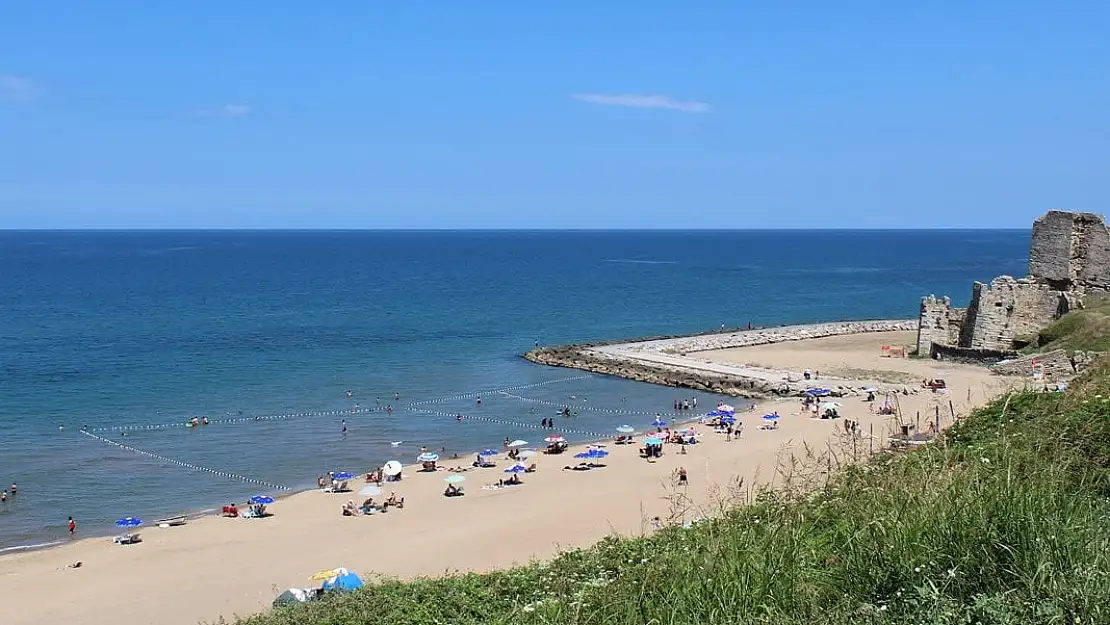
x=1069, y=257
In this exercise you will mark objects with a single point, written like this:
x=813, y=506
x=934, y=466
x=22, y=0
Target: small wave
x=641, y=262
x=30, y=547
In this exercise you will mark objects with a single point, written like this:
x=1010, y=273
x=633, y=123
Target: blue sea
x=131, y=333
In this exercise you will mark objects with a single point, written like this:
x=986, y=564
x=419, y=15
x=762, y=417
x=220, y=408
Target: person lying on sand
x=349, y=508
x=581, y=466
x=453, y=491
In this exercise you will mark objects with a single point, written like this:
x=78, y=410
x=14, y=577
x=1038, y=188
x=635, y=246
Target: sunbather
x=453, y=491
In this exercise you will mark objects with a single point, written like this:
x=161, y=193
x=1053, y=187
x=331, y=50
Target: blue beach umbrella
x=626, y=429
x=346, y=581
x=129, y=521
x=428, y=457
x=770, y=417
x=488, y=452
x=659, y=423
x=342, y=475
x=516, y=468
x=718, y=413
x=818, y=392
x=597, y=453
x=584, y=455
x=262, y=500
x=728, y=419
x=653, y=441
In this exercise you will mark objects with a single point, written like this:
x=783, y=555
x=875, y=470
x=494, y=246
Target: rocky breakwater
x=668, y=361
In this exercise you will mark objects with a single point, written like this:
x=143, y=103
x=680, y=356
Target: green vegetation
x=1085, y=329
x=1005, y=520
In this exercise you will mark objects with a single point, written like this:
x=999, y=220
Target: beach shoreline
x=489, y=528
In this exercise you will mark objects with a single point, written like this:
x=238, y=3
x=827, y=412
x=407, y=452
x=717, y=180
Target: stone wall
x=1070, y=251
x=939, y=323
x=1058, y=364
x=1069, y=256
x=1007, y=309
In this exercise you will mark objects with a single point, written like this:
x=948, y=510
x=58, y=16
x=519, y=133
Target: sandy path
x=217, y=566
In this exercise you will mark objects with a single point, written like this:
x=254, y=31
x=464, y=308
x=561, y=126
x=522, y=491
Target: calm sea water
x=117, y=330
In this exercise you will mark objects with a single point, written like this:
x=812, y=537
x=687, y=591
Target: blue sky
x=571, y=114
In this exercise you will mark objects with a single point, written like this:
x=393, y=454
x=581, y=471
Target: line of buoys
x=275, y=417
x=186, y=465
x=578, y=407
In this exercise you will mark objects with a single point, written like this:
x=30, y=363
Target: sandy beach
x=216, y=567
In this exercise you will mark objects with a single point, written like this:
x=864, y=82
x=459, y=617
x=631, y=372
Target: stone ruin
x=1069, y=257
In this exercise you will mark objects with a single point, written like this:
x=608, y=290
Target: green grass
x=1085, y=329
x=1005, y=520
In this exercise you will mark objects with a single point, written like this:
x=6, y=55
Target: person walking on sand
x=682, y=477
x=72, y=526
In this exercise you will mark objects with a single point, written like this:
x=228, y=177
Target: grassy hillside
x=1085, y=329
x=1004, y=521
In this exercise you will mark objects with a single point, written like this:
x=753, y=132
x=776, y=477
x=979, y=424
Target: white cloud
x=17, y=88
x=641, y=101
x=227, y=110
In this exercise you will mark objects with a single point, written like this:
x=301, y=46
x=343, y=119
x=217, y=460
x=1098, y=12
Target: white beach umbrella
x=392, y=468
x=518, y=443
x=830, y=405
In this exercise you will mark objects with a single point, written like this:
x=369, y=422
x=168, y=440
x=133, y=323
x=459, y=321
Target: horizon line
x=530, y=230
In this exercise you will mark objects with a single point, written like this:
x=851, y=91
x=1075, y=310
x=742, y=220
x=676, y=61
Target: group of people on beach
x=682, y=405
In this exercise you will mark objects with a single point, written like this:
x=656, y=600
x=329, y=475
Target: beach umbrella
x=653, y=441
x=455, y=479
x=770, y=417
x=818, y=392
x=718, y=413
x=488, y=452
x=392, y=468
x=659, y=423
x=345, y=581
x=626, y=429
x=596, y=453
x=262, y=500
x=554, y=439
x=428, y=457
x=518, y=443
x=583, y=455
x=129, y=521
x=830, y=405
x=342, y=475
x=725, y=408
x=728, y=419
x=869, y=389
x=516, y=468
x=328, y=574
x=370, y=491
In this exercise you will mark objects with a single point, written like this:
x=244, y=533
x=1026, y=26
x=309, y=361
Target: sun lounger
x=128, y=539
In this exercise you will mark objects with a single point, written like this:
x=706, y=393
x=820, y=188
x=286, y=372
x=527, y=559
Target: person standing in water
x=344, y=426
x=72, y=526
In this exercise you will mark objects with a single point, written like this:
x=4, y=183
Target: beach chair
x=127, y=539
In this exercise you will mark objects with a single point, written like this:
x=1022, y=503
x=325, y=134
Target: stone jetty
x=673, y=361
